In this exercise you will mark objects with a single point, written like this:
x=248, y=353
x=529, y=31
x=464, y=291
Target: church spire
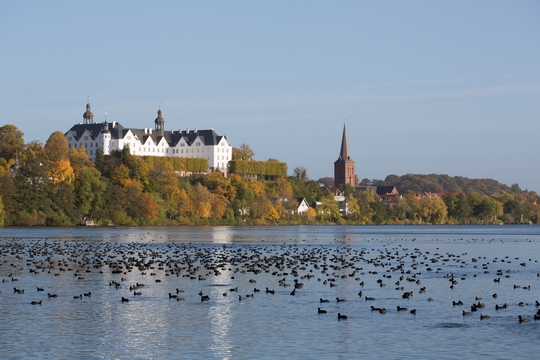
x=344, y=153
x=344, y=166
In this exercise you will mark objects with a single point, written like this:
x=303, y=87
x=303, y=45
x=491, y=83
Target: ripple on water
x=280, y=325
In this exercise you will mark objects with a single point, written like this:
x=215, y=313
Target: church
x=344, y=174
x=344, y=165
x=188, y=143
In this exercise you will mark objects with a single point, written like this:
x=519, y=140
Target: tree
x=100, y=160
x=328, y=211
x=34, y=150
x=63, y=205
x=458, y=208
x=60, y=171
x=379, y=212
x=89, y=191
x=300, y=172
x=347, y=189
x=327, y=181
x=162, y=178
x=513, y=210
x=56, y=147
x=219, y=203
x=484, y=207
x=120, y=175
x=365, y=200
x=79, y=160
x=243, y=153
x=33, y=201
x=433, y=210
x=139, y=170
x=216, y=179
x=2, y=212
x=201, y=200
x=11, y=142
x=353, y=209
x=282, y=188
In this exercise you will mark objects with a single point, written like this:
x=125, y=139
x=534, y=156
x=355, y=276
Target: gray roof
x=207, y=137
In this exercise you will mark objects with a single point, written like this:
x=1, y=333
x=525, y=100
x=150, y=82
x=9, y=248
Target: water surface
x=151, y=325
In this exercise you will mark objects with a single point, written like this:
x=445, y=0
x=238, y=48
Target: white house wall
x=217, y=155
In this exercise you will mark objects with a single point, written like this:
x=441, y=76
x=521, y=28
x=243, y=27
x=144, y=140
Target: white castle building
x=187, y=143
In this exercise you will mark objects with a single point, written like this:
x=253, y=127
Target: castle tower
x=88, y=116
x=160, y=123
x=344, y=166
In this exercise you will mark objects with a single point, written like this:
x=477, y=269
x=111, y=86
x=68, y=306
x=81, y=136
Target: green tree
x=432, y=209
x=34, y=205
x=328, y=211
x=89, y=191
x=347, y=189
x=380, y=212
x=353, y=209
x=365, y=200
x=100, y=160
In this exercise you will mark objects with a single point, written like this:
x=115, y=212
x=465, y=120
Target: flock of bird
x=285, y=268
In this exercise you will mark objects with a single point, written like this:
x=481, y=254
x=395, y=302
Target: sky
x=425, y=87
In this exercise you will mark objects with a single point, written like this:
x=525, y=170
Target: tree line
x=56, y=186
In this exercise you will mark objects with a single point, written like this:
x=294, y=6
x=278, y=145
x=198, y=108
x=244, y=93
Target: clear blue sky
x=446, y=87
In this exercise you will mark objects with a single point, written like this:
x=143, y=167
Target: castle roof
x=119, y=132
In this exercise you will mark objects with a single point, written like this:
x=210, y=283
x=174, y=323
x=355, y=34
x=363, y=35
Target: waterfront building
x=187, y=143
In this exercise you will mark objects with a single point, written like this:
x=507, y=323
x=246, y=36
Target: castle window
x=86, y=138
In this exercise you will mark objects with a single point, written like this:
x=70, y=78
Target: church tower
x=88, y=116
x=344, y=166
x=160, y=122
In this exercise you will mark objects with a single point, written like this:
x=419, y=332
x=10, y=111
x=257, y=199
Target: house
x=293, y=206
x=389, y=195
x=188, y=143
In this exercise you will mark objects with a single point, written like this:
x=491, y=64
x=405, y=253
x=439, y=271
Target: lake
x=299, y=265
